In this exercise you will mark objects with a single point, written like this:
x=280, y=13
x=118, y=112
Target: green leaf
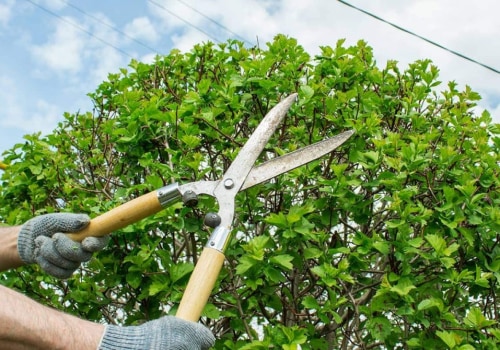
x=379, y=327
x=466, y=347
x=296, y=213
x=430, y=303
x=307, y=91
x=211, y=311
x=305, y=228
x=451, y=249
x=134, y=278
x=449, y=338
x=273, y=274
x=413, y=343
x=477, y=320
x=191, y=141
x=382, y=247
x=158, y=287
x=447, y=262
x=436, y=242
x=327, y=273
x=403, y=287
x=283, y=260
x=180, y=270
x=246, y=263
x=416, y=242
x=311, y=303
x=254, y=283
x=279, y=220
x=312, y=253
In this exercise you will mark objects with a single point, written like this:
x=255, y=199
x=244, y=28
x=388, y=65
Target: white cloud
x=80, y=54
x=54, y=5
x=6, y=12
x=103, y=61
x=63, y=50
x=44, y=117
x=141, y=28
x=187, y=39
x=105, y=52
x=172, y=13
x=11, y=109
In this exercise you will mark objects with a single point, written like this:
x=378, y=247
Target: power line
x=215, y=22
x=95, y=18
x=421, y=37
x=80, y=28
x=185, y=21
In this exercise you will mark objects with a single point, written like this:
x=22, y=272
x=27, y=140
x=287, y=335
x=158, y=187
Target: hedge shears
x=241, y=174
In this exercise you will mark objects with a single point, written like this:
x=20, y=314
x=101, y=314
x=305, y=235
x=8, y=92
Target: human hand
x=167, y=332
x=42, y=241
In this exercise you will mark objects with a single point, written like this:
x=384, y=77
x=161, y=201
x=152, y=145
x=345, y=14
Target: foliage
x=390, y=241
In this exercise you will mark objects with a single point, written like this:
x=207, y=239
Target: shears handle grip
x=201, y=284
x=129, y=212
x=120, y=217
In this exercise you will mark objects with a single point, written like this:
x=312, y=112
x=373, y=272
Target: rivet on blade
x=228, y=183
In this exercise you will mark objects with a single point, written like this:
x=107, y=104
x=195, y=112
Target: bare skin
x=9, y=257
x=26, y=324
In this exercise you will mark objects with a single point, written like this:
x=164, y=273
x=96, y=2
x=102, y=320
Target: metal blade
x=235, y=176
x=290, y=161
x=245, y=160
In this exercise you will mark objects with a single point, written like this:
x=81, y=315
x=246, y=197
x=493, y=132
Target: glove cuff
x=26, y=244
x=119, y=338
x=167, y=332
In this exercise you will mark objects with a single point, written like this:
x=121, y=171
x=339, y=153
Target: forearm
x=25, y=324
x=9, y=256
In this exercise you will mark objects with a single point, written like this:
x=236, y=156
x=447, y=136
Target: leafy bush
x=391, y=241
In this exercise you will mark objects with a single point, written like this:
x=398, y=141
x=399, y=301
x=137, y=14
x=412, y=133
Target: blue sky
x=54, y=52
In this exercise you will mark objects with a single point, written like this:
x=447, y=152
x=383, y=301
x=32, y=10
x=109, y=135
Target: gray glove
x=168, y=332
x=42, y=241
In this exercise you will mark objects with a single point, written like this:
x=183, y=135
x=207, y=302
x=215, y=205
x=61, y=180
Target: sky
x=55, y=52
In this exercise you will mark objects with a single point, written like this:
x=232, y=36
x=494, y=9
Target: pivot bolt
x=228, y=183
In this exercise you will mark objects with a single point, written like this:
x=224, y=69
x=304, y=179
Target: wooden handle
x=119, y=217
x=200, y=284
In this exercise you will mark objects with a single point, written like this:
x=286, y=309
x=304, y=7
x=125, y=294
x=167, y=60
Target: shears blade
x=243, y=163
x=292, y=160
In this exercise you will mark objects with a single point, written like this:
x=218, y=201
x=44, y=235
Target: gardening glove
x=42, y=241
x=168, y=332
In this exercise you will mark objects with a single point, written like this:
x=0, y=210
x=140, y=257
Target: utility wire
x=215, y=22
x=80, y=28
x=183, y=20
x=421, y=37
x=97, y=19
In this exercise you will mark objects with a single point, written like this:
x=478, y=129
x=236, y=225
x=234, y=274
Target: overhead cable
x=184, y=20
x=217, y=23
x=421, y=37
x=61, y=18
x=99, y=20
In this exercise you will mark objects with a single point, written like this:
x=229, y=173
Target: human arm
x=9, y=256
x=26, y=324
